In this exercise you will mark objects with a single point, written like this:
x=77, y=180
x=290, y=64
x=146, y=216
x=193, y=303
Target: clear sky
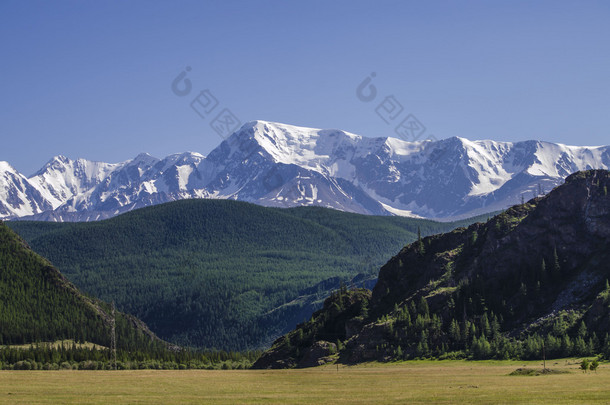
x=93, y=79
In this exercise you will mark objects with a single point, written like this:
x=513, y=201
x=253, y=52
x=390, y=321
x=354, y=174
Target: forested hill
x=533, y=276
x=222, y=274
x=38, y=304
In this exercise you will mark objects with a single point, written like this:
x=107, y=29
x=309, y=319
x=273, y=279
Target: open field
x=408, y=382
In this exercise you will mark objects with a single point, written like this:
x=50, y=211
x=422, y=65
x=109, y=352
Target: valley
x=223, y=274
x=304, y=202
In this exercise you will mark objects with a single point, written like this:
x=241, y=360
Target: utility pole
x=113, y=335
x=543, y=358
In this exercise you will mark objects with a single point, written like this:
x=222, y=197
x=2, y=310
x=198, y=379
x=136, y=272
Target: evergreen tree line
x=416, y=333
x=77, y=357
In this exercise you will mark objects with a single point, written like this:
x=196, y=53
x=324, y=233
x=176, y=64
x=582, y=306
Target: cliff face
x=536, y=271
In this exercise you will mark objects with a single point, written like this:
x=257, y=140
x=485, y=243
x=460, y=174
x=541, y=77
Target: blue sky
x=93, y=79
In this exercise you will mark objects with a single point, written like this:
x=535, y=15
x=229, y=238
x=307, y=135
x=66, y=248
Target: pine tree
x=481, y=348
x=580, y=347
x=473, y=238
x=582, y=330
x=404, y=316
x=606, y=346
x=485, y=327
x=595, y=343
x=466, y=332
x=286, y=342
x=542, y=277
x=473, y=331
x=412, y=309
x=567, y=347
x=454, y=331
x=523, y=289
x=423, y=307
x=556, y=265
x=423, y=340
x=398, y=353
x=419, y=350
x=495, y=326
x=364, y=308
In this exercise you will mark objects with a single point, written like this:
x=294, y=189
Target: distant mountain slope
x=38, y=304
x=534, y=275
x=280, y=165
x=224, y=274
x=18, y=197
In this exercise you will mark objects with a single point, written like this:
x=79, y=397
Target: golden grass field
x=413, y=382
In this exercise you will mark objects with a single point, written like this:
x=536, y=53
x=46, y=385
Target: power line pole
x=543, y=358
x=113, y=335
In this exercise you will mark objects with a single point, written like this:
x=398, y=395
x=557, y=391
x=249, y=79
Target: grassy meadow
x=408, y=382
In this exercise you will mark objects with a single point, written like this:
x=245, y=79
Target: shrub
x=88, y=365
x=584, y=365
x=22, y=365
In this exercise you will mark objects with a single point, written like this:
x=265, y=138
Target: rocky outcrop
x=543, y=261
x=321, y=352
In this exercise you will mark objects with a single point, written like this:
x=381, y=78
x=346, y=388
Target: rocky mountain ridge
x=535, y=275
x=280, y=165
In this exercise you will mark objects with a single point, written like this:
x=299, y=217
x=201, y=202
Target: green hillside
x=38, y=304
x=530, y=282
x=222, y=274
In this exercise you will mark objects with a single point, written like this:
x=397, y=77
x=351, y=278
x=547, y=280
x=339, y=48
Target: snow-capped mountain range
x=281, y=165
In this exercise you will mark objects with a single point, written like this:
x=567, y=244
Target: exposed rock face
x=276, y=358
x=365, y=345
x=541, y=262
x=321, y=352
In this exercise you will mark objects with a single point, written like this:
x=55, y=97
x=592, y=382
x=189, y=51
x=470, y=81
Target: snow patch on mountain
x=283, y=165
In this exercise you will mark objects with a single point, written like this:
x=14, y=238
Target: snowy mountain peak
x=281, y=165
x=144, y=159
x=60, y=158
x=6, y=167
x=290, y=144
x=56, y=161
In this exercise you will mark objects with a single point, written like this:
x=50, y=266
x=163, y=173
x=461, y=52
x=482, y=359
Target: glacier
x=280, y=165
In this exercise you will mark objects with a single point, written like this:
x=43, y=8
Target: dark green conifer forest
x=39, y=306
x=222, y=274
